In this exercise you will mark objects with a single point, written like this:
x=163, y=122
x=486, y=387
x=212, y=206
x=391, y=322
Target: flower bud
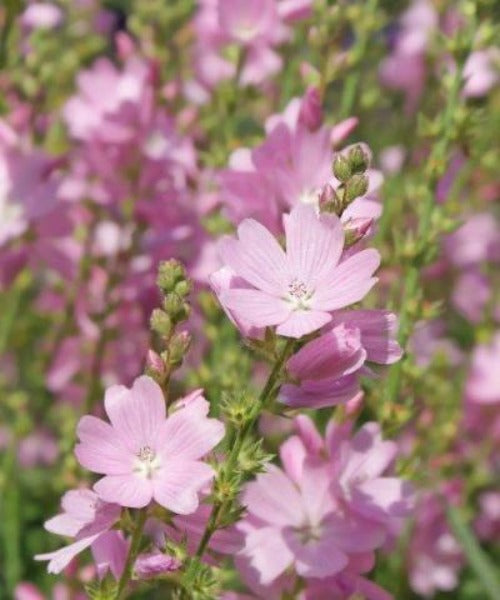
x=170, y=272
x=341, y=168
x=183, y=288
x=154, y=564
x=155, y=367
x=358, y=159
x=328, y=200
x=178, y=347
x=310, y=113
x=356, y=229
x=161, y=322
x=174, y=306
x=357, y=186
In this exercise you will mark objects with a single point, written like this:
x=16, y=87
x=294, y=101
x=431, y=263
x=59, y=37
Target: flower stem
x=241, y=437
x=135, y=544
x=411, y=282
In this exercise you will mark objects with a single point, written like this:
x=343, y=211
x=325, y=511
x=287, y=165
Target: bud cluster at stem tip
x=175, y=287
x=350, y=170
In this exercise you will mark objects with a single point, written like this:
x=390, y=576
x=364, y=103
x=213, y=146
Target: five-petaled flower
x=298, y=289
x=143, y=454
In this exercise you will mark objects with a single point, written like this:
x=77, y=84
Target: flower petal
x=61, y=558
x=349, y=282
x=273, y=498
x=302, y=322
x=313, y=243
x=257, y=257
x=178, y=484
x=136, y=413
x=101, y=449
x=257, y=308
x=188, y=434
x=133, y=491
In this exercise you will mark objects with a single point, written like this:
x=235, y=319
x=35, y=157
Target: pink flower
x=435, y=556
x=104, y=94
x=143, y=454
x=245, y=21
x=481, y=72
x=324, y=369
x=471, y=294
x=358, y=468
x=297, y=522
x=296, y=290
x=42, y=15
x=86, y=518
x=483, y=384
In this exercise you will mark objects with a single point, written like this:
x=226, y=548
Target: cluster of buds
x=349, y=168
x=174, y=287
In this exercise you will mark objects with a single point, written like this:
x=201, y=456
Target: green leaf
x=478, y=560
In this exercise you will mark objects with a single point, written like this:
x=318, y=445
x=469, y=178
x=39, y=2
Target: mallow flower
x=297, y=522
x=144, y=455
x=294, y=290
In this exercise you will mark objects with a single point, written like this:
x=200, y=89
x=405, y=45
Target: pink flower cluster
x=325, y=513
x=145, y=456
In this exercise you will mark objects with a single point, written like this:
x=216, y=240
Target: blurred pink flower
x=41, y=15
x=143, y=454
x=435, y=557
x=481, y=72
x=483, y=383
x=295, y=290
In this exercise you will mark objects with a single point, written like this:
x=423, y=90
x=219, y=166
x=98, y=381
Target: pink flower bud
x=154, y=564
x=353, y=406
x=356, y=229
x=311, y=114
x=154, y=362
x=124, y=45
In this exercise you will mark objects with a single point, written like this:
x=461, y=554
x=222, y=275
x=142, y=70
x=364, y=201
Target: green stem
x=243, y=433
x=412, y=278
x=135, y=544
x=11, y=517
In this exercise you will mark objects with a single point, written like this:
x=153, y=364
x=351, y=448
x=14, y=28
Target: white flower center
x=298, y=294
x=308, y=533
x=310, y=196
x=147, y=463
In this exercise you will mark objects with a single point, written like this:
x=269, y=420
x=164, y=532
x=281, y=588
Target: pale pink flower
x=247, y=22
x=42, y=15
x=476, y=241
x=359, y=468
x=85, y=518
x=297, y=290
x=103, y=94
x=143, y=454
x=481, y=72
x=471, y=294
x=435, y=556
x=483, y=383
x=487, y=523
x=297, y=522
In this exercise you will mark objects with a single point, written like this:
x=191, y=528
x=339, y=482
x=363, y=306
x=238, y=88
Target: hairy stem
x=135, y=544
